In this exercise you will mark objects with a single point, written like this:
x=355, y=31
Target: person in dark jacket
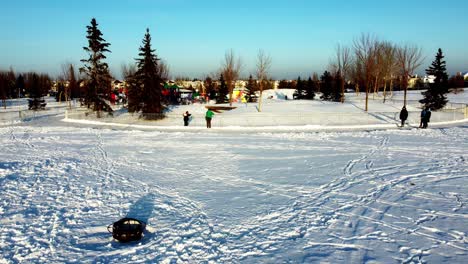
x=186, y=118
x=403, y=115
x=423, y=115
x=427, y=117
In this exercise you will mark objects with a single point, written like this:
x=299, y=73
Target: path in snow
x=385, y=196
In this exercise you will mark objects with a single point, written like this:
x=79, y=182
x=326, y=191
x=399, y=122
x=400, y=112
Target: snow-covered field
x=233, y=196
x=382, y=196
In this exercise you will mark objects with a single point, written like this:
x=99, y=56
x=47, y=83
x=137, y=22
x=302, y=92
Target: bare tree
x=127, y=70
x=231, y=69
x=364, y=50
x=377, y=71
x=263, y=66
x=343, y=65
x=69, y=80
x=62, y=81
x=409, y=58
x=132, y=87
x=164, y=70
x=389, y=66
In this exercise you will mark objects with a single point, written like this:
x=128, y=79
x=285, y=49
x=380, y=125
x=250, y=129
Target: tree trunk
x=367, y=97
x=391, y=87
x=385, y=90
x=405, y=85
x=260, y=101
x=404, y=100
x=342, y=91
x=376, y=84
x=230, y=93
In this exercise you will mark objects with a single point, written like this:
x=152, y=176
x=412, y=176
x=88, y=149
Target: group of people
x=425, y=116
x=208, y=116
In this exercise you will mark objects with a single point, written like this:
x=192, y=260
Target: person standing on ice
x=403, y=115
x=423, y=115
x=427, y=117
x=186, y=118
x=208, y=116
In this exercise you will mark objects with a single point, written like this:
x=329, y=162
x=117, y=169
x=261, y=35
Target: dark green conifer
x=434, y=97
x=326, y=86
x=149, y=80
x=222, y=91
x=310, y=89
x=300, y=91
x=98, y=81
x=251, y=90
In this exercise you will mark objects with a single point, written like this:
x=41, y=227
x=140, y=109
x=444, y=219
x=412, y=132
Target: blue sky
x=193, y=36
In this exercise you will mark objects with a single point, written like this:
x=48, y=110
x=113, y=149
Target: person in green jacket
x=208, y=116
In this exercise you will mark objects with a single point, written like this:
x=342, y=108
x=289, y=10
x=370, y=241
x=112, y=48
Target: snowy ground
x=232, y=196
x=382, y=196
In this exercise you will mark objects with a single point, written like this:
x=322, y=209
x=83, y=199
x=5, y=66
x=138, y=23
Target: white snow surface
x=233, y=196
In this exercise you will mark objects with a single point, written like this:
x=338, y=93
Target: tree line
x=30, y=84
x=370, y=65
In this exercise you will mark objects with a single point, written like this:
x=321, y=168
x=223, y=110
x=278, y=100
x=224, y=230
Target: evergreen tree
x=60, y=96
x=316, y=80
x=149, y=79
x=134, y=92
x=97, y=71
x=310, y=89
x=34, y=91
x=210, y=88
x=251, y=89
x=34, y=86
x=337, y=94
x=20, y=87
x=73, y=86
x=299, y=88
x=434, y=97
x=222, y=91
x=7, y=85
x=327, y=86
x=3, y=88
x=11, y=84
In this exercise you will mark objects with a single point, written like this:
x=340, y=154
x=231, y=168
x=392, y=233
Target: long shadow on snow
x=142, y=208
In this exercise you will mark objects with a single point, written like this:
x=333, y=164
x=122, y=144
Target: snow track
x=381, y=196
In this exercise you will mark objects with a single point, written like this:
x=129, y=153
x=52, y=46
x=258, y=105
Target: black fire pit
x=127, y=229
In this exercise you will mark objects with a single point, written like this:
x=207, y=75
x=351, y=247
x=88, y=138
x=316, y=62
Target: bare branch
x=263, y=67
x=409, y=58
x=231, y=69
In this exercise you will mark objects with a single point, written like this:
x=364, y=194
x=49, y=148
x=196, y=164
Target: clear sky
x=193, y=36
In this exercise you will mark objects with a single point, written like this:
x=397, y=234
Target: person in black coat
x=423, y=115
x=403, y=115
x=427, y=117
x=186, y=118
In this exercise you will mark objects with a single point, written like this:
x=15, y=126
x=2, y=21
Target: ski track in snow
x=382, y=196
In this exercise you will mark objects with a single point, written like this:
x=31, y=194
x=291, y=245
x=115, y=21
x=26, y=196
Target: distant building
x=429, y=79
x=414, y=82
